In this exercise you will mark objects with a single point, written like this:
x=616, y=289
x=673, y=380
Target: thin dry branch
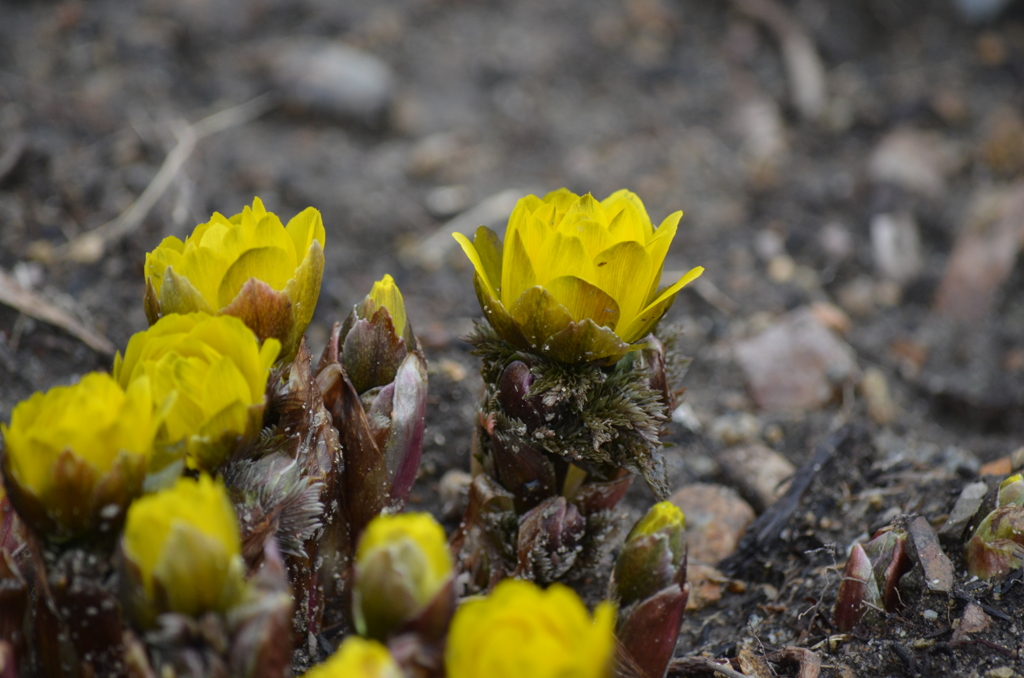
x=686, y=666
x=803, y=65
x=31, y=304
x=89, y=247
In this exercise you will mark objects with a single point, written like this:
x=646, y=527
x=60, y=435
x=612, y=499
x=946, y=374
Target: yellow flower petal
x=584, y=300
x=538, y=316
x=357, y=658
x=561, y=255
x=185, y=540
x=653, y=311
x=517, y=271
x=628, y=201
x=304, y=228
x=270, y=264
x=559, y=202
x=488, y=246
x=625, y=269
x=215, y=367
x=579, y=241
x=478, y=264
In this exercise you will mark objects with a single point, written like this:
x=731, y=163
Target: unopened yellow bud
x=183, y=546
x=661, y=515
x=385, y=293
x=357, y=658
x=402, y=564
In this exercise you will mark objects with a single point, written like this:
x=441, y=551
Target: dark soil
x=594, y=95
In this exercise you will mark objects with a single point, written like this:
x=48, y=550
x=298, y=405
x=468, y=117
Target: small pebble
x=760, y=473
x=735, y=428
x=716, y=517
x=797, y=364
x=685, y=416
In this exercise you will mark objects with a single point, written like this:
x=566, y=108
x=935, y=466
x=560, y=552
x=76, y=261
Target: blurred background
x=849, y=172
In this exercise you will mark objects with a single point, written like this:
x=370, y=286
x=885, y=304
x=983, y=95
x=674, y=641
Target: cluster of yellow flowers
x=189, y=389
x=136, y=454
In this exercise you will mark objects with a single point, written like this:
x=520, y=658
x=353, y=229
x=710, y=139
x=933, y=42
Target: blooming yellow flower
x=402, y=564
x=183, y=549
x=249, y=266
x=76, y=450
x=577, y=278
x=357, y=658
x=521, y=630
x=218, y=371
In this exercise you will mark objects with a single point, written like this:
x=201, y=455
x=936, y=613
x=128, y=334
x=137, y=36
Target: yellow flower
x=74, y=451
x=183, y=550
x=358, y=658
x=576, y=279
x=402, y=564
x=249, y=266
x=218, y=371
x=521, y=630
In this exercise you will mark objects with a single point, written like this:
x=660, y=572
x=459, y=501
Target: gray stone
x=331, y=78
x=966, y=506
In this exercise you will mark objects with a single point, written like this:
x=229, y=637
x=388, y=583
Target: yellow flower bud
x=576, y=279
x=183, y=551
x=218, y=371
x=249, y=266
x=76, y=451
x=521, y=630
x=357, y=658
x=402, y=564
x=385, y=293
x=661, y=515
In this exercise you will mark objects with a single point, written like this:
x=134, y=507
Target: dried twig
x=686, y=665
x=89, y=247
x=803, y=65
x=38, y=307
x=762, y=534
